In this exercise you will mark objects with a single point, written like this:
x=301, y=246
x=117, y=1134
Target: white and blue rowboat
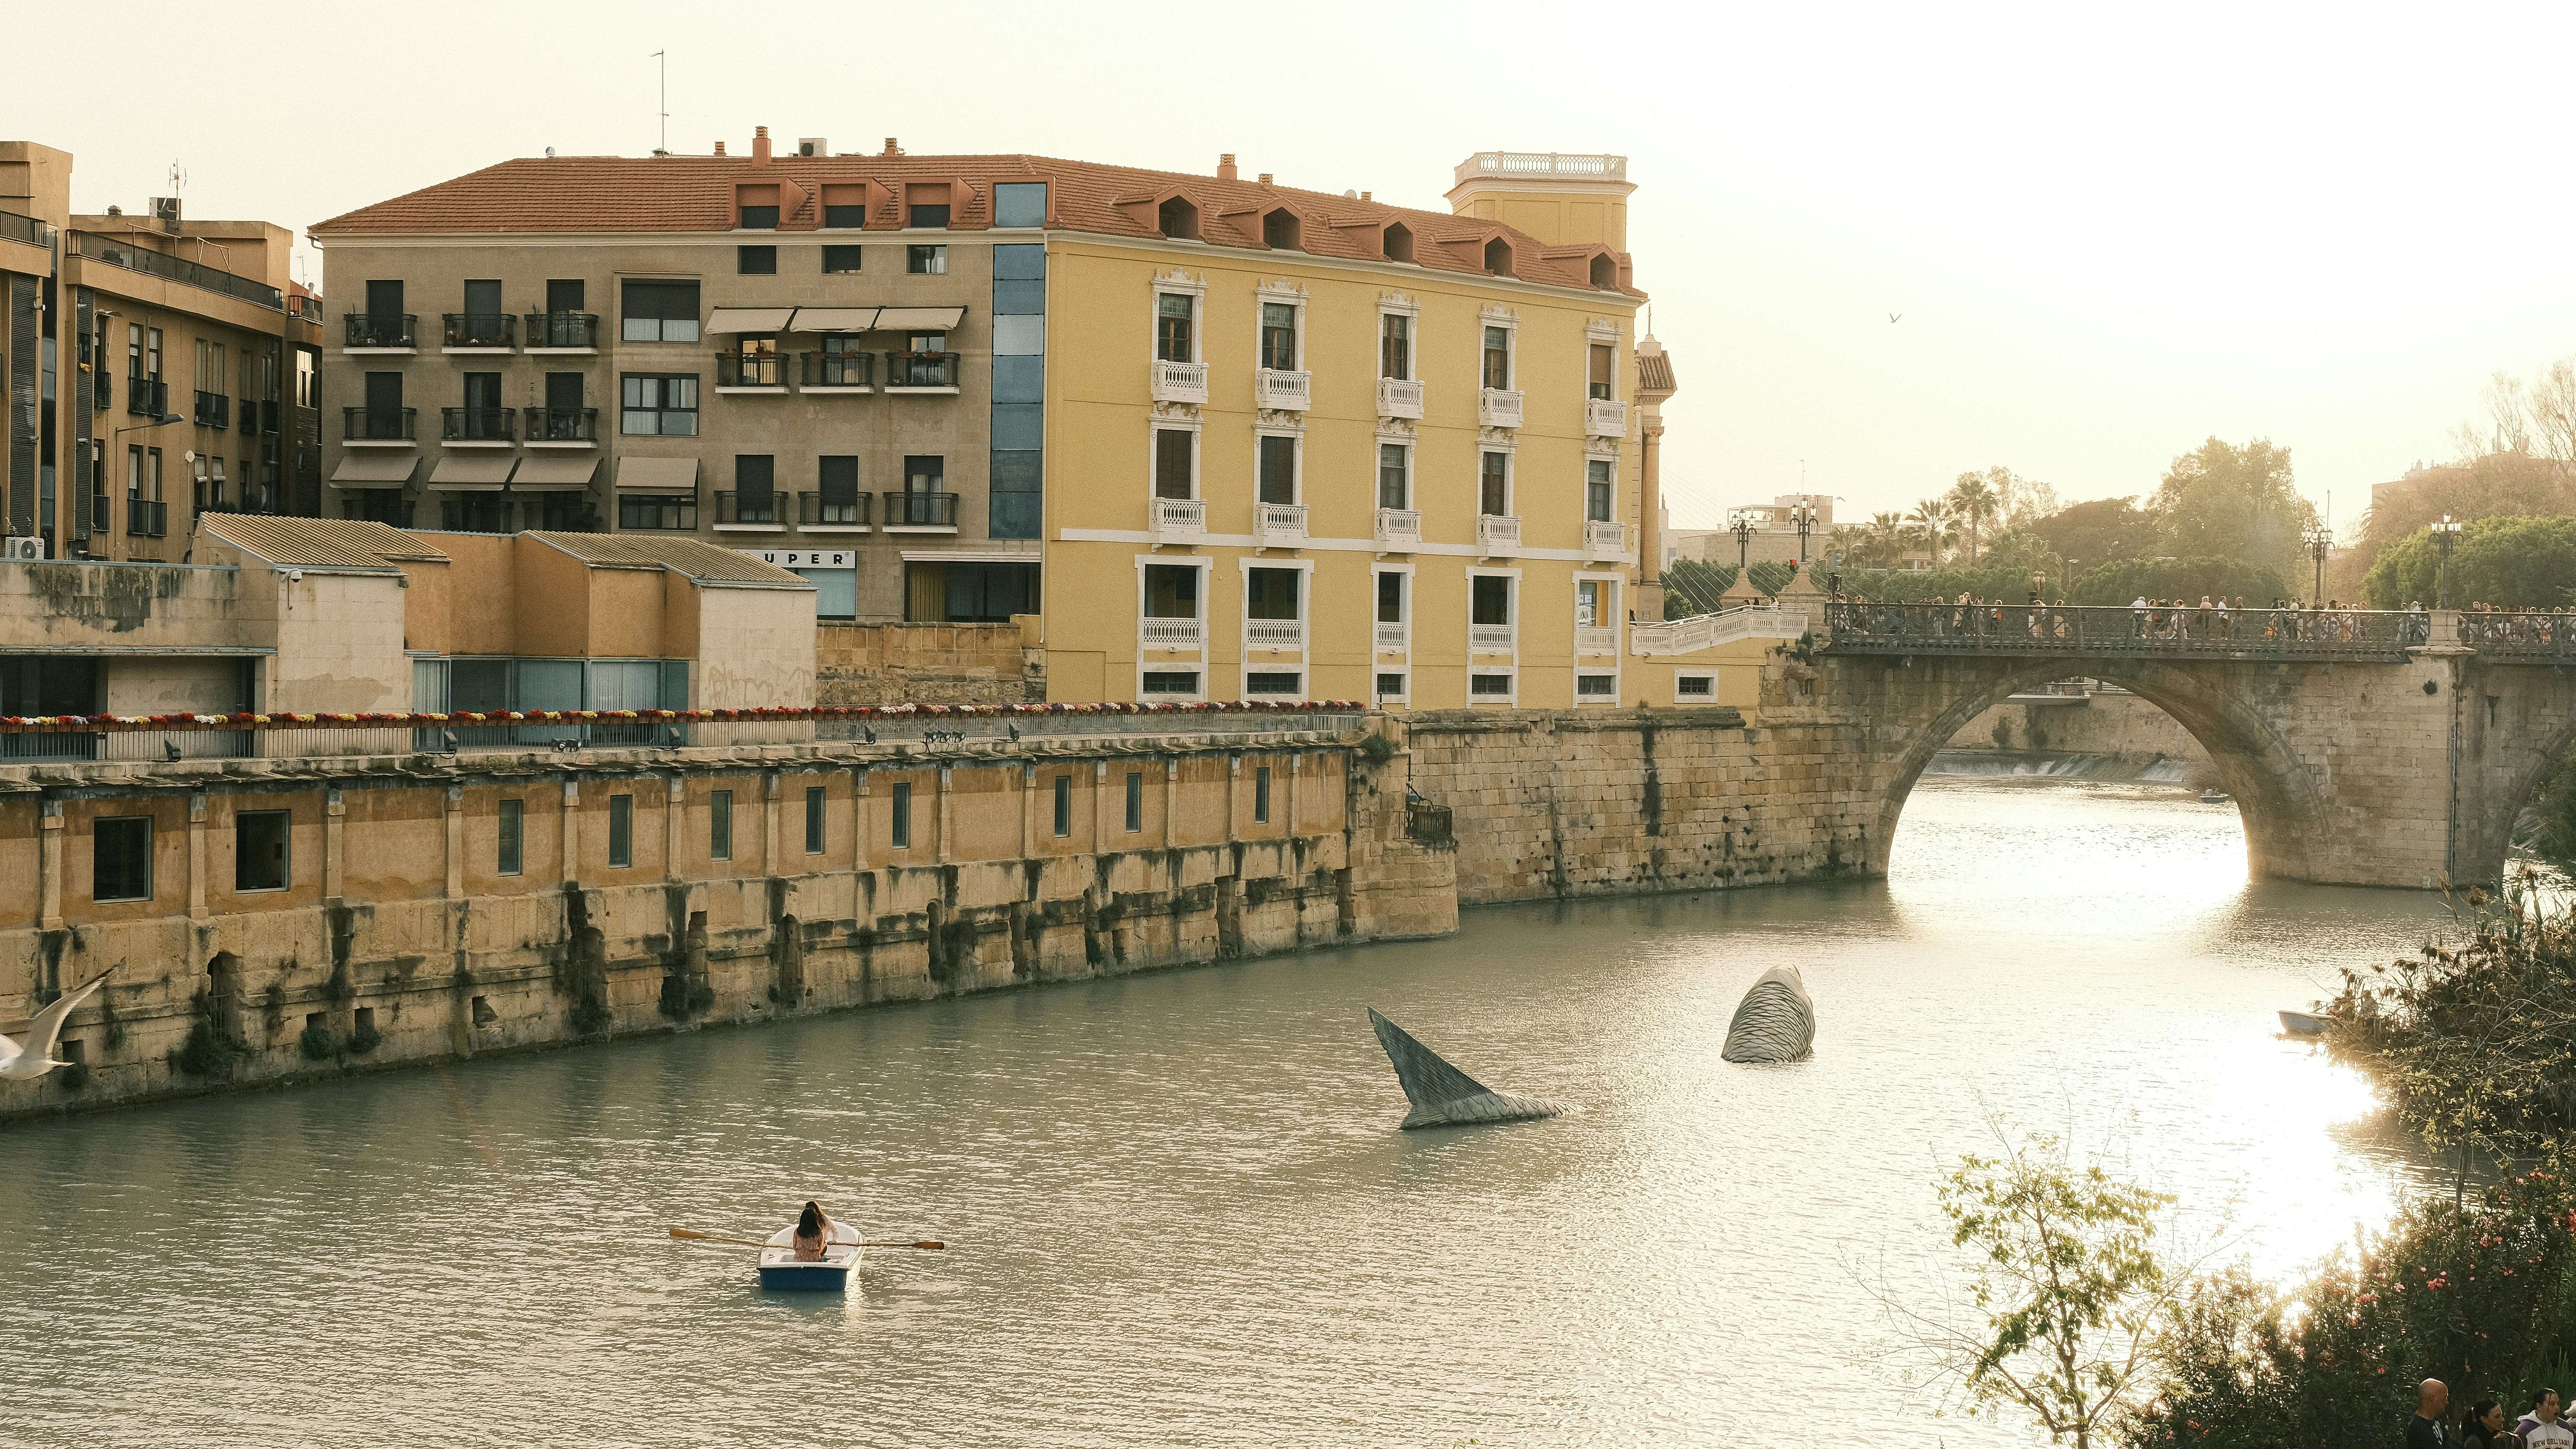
x=2302, y=1023
x=779, y=1268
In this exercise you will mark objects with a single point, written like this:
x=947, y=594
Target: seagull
x=42, y=1034
x=1892, y=316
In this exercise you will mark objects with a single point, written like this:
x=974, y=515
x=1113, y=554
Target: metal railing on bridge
x=1990, y=629
x=2529, y=636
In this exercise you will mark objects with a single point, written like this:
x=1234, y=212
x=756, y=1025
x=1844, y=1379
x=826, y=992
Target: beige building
x=158, y=368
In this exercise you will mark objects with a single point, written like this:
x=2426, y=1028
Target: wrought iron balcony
x=1279, y=525
x=1274, y=633
x=1492, y=638
x=1995, y=629
x=481, y=330
x=391, y=330
x=1497, y=533
x=1281, y=391
x=749, y=369
x=1498, y=408
x=563, y=425
x=1603, y=418
x=1160, y=633
x=1399, y=398
x=1603, y=540
x=1399, y=529
x=819, y=510
x=856, y=370
x=378, y=425
x=146, y=518
x=147, y=397
x=921, y=372
x=1181, y=382
x=476, y=425
x=740, y=508
x=1177, y=520
x=563, y=331
x=921, y=510
x=214, y=410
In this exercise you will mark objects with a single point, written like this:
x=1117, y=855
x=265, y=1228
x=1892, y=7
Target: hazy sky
x=2109, y=233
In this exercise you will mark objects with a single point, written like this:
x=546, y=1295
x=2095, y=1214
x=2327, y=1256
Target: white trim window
x=1494, y=479
x=1179, y=299
x=1278, y=463
x=1493, y=611
x=1498, y=351
x=1276, y=601
x=1493, y=686
x=1391, y=609
x=1695, y=686
x=1172, y=458
x=1399, y=324
x=1394, y=474
x=1279, y=342
x=1273, y=681
x=1596, y=686
x=1600, y=489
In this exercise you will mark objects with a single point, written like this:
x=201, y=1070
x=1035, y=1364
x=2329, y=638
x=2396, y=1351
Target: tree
x=2225, y=501
x=2069, y=1296
x=2101, y=531
x=2122, y=580
x=2510, y=562
x=1931, y=528
x=1972, y=500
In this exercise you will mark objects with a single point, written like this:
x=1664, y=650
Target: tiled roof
x=696, y=193
x=1655, y=373
x=696, y=558
x=319, y=543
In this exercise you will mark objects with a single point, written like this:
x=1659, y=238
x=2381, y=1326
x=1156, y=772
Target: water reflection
x=1177, y=1206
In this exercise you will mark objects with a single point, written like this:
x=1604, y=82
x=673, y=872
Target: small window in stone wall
x=899, y=825
x=1135, y=801
x=260, y=850
x=621, y=831
x=121, y=858
x=813, y=820
x=1063, y=805
x=512, y=852
x=720, y=825
x=1261, y=795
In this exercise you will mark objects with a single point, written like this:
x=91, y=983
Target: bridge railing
x=1706, y=631
x=2188, y=632
x=2523, y=634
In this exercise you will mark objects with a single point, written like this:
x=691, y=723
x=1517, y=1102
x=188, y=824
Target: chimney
x=891, y=148
x=760, y=145
x=1225, y=167
x=720, y=148
x=1364, y=196
x=1265, y=178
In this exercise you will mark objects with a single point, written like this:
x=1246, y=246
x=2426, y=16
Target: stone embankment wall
x=876, y=664
x=657, y=889
x=2122, y=727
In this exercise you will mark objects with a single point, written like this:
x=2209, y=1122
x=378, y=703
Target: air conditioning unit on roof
x=22, y=550
x=813, y=146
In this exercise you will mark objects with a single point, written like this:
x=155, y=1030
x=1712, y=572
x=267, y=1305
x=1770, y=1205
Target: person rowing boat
x=813, y=1231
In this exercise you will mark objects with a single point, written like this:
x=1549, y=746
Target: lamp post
x=1806, y=520
x=162, y=421
x=2320, y=542
x=2446, y=536
x=1743, y=531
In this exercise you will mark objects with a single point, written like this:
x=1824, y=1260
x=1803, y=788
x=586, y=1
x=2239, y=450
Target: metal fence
x=2153, y=631
x=2530, y=635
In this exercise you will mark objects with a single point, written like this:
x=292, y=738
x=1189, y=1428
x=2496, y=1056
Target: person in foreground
x=2485, y=1429
x=813, y=1230
x=2540, y=1428
x=2425, y=1430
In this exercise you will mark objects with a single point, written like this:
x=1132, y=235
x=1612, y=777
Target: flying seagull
x=1892, y=316
x=42, y=1035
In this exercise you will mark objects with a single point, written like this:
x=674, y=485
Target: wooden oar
x=834, y=1243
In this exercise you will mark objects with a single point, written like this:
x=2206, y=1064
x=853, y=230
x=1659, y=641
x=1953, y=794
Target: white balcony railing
x=1399, y=528
x=1497, y=534
x=1603, y=418
x=1595, y=639
x=1496, y=408
x=1603, y=540
x=1279, y=525
x=1397, y=398
x=1274, y=633
x=1491, y=638
x=1171, y=633
x=1180, y=382
x=1287, y=391
x=1179, y=520
x=1390, y=637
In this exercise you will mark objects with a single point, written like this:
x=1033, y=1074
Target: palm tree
x=1887, y=530
x=1972, y=500
x=1930, y=523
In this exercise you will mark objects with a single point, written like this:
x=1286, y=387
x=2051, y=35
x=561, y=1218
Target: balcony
x=1492, y=639
x=476, y=425
x=387, y=333
x=921, y=512
x=378, y=427
x=1281, y=391
x=1277, y=634
x=1390, y=636
x=1603, y=541
x=1177, y=520
x=1497, y=534
x=563, y=332
x=146, y=518
x=1153, y=633
x=749, y=512
x=1180, y=382
x=268, y=418
x=749, y=372
x=837, y=371
x=1279, y=525
x=1398, y=398
x=1595, y=639
x=1603, y=418
x=563, y=427
x=26, y=229
x=147, y=397
x=214, y=410
x=1496, y=408
x=480, y=331
x=819, y=513
x=119, y=252
x=1399, y=530
x=921, y=372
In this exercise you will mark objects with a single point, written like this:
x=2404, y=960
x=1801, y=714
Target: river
x=1177, y=1207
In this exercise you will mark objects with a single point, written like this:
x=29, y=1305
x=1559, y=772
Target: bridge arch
x=2275, y=794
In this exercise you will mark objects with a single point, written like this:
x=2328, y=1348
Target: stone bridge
x=2362, y=748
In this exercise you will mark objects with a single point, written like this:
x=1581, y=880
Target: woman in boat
x=813, y=1230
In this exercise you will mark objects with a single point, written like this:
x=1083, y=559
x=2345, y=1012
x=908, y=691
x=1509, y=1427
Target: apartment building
x=157, y=368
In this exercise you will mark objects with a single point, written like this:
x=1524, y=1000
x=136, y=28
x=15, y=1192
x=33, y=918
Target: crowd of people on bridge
x=2216, y=618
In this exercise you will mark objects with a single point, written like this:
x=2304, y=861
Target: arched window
x=1178, y=218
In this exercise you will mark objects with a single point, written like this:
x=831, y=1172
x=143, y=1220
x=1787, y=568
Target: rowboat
x=2303, y=1023
x=779, y=1268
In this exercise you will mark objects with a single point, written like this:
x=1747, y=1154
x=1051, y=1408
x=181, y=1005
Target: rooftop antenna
x=664, y=149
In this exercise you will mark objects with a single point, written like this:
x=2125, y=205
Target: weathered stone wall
x=2117, y=726
x=878, y=664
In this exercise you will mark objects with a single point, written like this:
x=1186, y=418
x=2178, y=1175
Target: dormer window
x=1498, y=257
x=1399, y=242
x=1279, y=230
x=1178, y=218
x=760, y=218
x=1605, y=272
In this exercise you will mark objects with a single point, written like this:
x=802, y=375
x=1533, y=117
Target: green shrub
x=679, y=998
x=318, y=1044
x=207, y=1052
x=73, y=1077
x=590, y=1013
x=364, y=1040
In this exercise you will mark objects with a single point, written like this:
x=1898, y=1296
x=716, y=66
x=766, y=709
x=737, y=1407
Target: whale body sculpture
x=1442, y=1095
x=1775, y=1022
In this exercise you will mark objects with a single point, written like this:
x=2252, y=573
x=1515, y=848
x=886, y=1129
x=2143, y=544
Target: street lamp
x=1806, y=519
x=2446, y=536
x=163, y=421
x=2320, y=541
x=1743, y=531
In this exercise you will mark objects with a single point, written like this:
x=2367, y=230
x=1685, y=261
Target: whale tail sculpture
x=1442, y=1095
x=1775, y=1022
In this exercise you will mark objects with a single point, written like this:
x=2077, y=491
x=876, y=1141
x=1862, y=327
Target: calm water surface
x=1177, y=1207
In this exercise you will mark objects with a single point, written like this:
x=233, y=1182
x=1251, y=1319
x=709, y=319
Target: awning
x=920, y=319
x=663, y=475
x=750, y=319
x=478, y=471
x=553, y=473
x=833, y=319
x=375, y=468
